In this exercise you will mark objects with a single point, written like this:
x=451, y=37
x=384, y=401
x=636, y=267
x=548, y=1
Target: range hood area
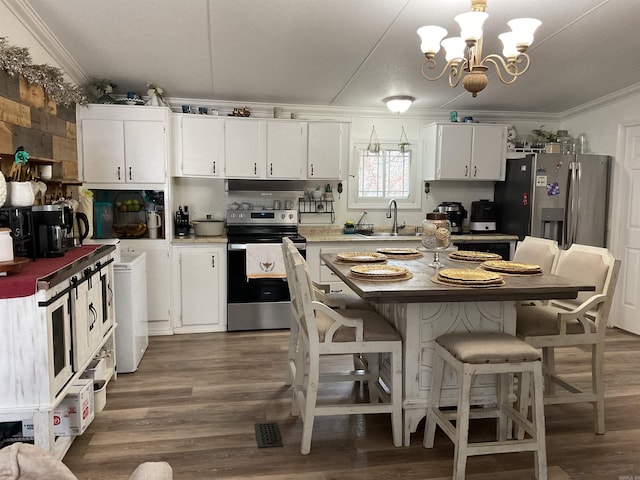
x=240, y=185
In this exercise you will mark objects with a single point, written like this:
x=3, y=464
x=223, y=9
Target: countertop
x=190, y=239
x=45, y=273
x=335, y=234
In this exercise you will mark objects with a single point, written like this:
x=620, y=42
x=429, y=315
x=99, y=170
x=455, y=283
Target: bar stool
x=478, y=353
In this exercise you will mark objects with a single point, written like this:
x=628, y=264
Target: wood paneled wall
x=44, y=129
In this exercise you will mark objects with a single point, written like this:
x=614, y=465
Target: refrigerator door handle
x=572, y=210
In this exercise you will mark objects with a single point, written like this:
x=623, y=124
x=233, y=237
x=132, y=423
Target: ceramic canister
x=6, y=245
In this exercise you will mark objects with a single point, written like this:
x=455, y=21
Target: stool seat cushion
x=488, y=347
x=375, y=328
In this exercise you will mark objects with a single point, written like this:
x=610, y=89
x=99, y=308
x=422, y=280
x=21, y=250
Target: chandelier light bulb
x=510, y=49
x=471, y=25
x=430, y=36
x=454, y=48
x=399, y=103
x=524, y=28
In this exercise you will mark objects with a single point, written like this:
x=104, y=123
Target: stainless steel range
x=263, y=302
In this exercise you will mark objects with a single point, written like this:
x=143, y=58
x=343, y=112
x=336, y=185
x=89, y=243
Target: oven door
x=257, y=303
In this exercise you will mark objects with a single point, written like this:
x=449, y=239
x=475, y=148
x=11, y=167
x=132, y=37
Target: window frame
x=413, y=202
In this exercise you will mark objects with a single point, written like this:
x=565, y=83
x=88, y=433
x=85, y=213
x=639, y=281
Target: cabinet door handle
x=130, y=178
x=94, y=314
x=311, y=170
x=271, y=169
x=255, y=168
x=119, y=174
x=475, y=171
x=214, y=167
x=213, y=261
x=466, y=170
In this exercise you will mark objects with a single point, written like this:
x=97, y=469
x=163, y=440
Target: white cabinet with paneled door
x=328, y=150
x=158, y=283
x=122, y=145
x=199, y=145
x=245, y=148
x=464, y=152
x=286, y=149
x=199, y=288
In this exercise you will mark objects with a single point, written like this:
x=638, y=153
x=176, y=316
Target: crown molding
x=322, y=112
x=601, y=102
x=26, y=15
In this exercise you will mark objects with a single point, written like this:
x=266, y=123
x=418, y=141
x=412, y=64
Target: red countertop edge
x=24, y=283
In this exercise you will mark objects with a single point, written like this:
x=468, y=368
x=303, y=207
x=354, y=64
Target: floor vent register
x=268, y=435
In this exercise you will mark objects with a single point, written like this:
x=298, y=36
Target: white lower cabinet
x=199, y=288
x=158, y=283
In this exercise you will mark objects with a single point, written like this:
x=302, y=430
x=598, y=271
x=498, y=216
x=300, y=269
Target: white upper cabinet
x=328, y=149
x=245, y=148
x=286, y=149
x=199, y=145
x=464, y=152
x=121, y=144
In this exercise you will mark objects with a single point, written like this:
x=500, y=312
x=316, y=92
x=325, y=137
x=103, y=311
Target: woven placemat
x=436, y=279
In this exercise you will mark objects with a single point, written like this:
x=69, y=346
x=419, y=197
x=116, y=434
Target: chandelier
x=464, y=53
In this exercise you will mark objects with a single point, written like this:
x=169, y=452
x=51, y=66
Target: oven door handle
x=236, y=246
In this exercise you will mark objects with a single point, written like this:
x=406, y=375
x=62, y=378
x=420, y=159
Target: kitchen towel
x=264, y=260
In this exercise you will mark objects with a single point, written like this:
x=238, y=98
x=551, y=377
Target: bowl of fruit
x=129, y=215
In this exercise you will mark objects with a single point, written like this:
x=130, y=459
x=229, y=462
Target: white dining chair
x=325, y=332
x=581, y=322
x=539, y=251
x=322, y=294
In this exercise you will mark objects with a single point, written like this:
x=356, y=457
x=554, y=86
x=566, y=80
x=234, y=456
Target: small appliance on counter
x=20, y=221
x=53, y=226
x=456, y=214
x=181, y=221
x=483, y=217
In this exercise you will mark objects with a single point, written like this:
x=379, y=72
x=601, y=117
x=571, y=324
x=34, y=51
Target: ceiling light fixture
x=399, y=103
x=464, y=53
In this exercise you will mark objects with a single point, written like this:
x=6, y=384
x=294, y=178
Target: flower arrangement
x=544, y=136
x=103, y=87
x=17, y=61
x=154, y=90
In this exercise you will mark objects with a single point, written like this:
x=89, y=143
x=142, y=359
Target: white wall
x=18, y=35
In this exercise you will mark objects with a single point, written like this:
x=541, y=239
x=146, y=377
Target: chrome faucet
x=394, y=227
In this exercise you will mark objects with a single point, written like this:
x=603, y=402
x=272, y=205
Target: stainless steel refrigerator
x=555, y=196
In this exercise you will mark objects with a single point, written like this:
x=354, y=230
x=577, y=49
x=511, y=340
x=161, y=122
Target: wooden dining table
x=421, y=310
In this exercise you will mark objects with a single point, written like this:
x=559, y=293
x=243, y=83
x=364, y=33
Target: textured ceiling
x=349, y=53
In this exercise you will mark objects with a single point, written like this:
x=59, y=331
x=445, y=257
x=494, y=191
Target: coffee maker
x=455, y=214
x=53, y=227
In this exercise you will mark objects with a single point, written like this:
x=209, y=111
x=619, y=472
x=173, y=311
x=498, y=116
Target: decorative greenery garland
x=16, y=60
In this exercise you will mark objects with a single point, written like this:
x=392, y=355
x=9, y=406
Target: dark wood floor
x=195, y=399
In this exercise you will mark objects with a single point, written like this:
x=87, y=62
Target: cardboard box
x=74, y=413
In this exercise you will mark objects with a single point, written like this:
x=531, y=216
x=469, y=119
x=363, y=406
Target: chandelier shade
x=463, y=54
x=399, y=103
